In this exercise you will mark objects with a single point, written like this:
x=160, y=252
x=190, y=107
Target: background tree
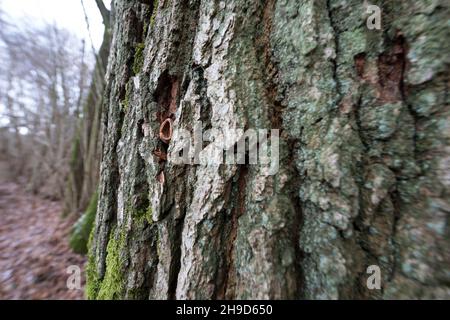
x=84, y=165
x=42, y=82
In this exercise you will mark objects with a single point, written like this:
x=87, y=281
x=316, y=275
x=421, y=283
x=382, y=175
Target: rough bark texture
x=364, y=151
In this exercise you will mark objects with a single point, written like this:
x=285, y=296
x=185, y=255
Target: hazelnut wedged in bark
x=165, y=131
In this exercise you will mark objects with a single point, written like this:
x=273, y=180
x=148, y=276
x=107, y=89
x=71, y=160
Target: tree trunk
x=85, y=160
x=363, y=152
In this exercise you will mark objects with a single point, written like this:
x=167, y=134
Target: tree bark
x=364, y=152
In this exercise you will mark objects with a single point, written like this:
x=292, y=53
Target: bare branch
x=104, y=12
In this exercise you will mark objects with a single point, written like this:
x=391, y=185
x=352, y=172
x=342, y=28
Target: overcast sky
x=65, y=13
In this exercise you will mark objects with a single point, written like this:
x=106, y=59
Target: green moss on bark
x=126, y=100
x=82, y=228
x=92, y=282
x=155, y=10
x=112, y=286
x=138, y=58
x=144, y=215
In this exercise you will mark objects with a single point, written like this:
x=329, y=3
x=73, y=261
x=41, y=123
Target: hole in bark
x=391, y=66
x=166, y=95
x=360, y=61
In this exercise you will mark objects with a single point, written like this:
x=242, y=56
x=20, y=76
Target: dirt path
x=34, y=251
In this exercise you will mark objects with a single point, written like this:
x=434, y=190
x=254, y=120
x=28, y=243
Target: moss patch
x=138, y=58
x=144, y=215
x=155, y=10
x=82, y=228
x=92, y=282
x=112, y=286
x=126, y=100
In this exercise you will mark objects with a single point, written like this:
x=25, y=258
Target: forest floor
x=34, y=250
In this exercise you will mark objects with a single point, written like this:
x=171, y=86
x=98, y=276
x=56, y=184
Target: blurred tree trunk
x=86, y=149
x=41, y=80
x=364, y=151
